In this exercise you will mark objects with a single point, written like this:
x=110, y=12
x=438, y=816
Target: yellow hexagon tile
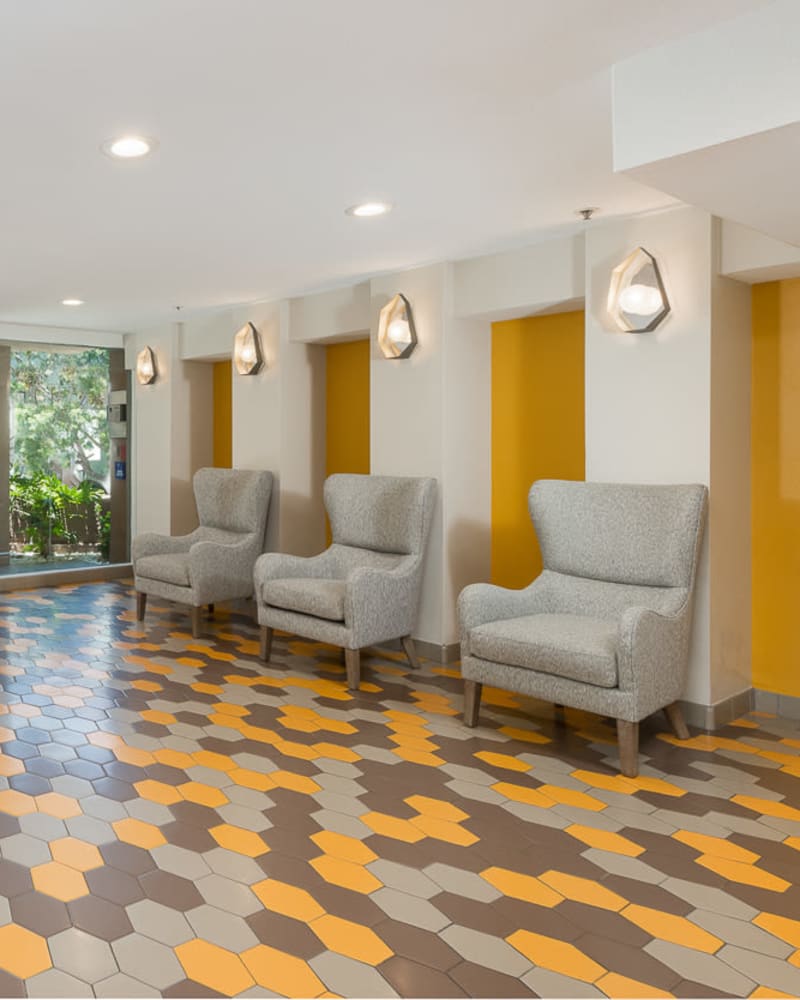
x=423, y=757
x=558, y=956
x=77, y=854
x=137, y=832
x=609, y=782
x=604, y=840
x=569, y=797
x=59, y=881
x=202, y=795
x=350, y=939
x=174, y=758
x=251, y=779
x=294, y=782
x=133, y=755
x=583, y=890
x=717, y=846
x=624, y=988
x=524, y=887
x=339, y=845
x=785, y=928
x=215, y=761
x=300, y=751
x=282, y=973
x=669, y=927
x=519, y=793
x=159, y=718
x=58, y=805
x=22, y=953
x=216, y=968
x=436, y=808
x=346, y=874
x=644, y=783
x=768, y=993
x=526, y=735
x=16, y=803
x=10, y=766
x=440, y=829
x=234, y=838
x=503, y=760
x=392, y=826
x=767, y=807
x=335, y=752
x=158, y=791
x=288, y=900
x=746, y=874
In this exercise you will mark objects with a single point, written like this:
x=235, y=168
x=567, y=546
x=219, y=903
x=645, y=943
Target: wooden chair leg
x=141, y=604
x=211, y=610
x=675, y=715
x=352, y=659
x=411, y=652
x=265, y=650
x=628, y=738
x=472, y=702
x=197, y=619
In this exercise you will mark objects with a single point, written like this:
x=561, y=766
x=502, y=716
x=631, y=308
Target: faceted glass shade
x=637, y=299
x=397, y=336
x=146, y=371
x=247, y=351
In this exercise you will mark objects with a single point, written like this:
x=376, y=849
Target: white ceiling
x=486, y=122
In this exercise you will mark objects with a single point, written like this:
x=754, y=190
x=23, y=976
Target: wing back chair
x=215, y=561
x=365, y=588
x=606, y=626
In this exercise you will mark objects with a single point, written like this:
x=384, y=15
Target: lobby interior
x=180, y=818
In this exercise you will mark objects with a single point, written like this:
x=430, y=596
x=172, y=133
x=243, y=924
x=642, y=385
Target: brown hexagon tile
x=40, y=913
x=100, y=918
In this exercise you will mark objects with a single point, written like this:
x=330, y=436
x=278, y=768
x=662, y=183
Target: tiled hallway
x=178, y=820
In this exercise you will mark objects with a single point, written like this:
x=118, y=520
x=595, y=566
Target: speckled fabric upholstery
x=606, y=625
x=215, y=561
x=379, y=526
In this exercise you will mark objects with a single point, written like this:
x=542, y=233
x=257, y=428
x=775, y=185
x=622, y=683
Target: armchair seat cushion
x=572, y=646
x=308, y=595
x=172, y=568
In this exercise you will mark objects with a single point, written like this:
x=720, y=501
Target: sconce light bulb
x=641, y=300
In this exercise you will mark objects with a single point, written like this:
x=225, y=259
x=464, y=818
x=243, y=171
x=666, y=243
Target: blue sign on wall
x=119, y=470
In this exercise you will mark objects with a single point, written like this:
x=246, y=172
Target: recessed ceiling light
x=369, y=209
x=72, y=302
x=129, y=147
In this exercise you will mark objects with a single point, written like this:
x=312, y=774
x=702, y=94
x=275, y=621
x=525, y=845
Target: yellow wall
x=775, y=453
x=223, y=416
x=347, y=407
x=537, y=429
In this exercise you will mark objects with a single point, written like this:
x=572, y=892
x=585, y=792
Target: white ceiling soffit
x=727, y=138
x=486, y=124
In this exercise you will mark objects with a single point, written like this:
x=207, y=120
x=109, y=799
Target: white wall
x=520, y=282
x=648, y=410
x=337, y=315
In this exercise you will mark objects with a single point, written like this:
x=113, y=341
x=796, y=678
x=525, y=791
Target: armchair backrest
x=382, y=513
x=620, y=532
x=233, y=499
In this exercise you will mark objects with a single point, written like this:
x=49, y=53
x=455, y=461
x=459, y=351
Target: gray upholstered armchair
x=365, y=588
x=215, y=561
x=605, y=627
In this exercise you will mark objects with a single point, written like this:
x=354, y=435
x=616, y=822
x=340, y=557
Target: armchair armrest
x=653, y=653
x=152, y=544
x=480, y=603
x=381, y=604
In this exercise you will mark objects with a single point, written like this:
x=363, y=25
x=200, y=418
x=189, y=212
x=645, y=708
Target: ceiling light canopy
x=369, y=209
x=129, y=147
x=72, y=302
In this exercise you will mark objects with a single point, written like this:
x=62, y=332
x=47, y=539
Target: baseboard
x=785, y=705
x=711, y=717
x=64, y=577
x=446, y=653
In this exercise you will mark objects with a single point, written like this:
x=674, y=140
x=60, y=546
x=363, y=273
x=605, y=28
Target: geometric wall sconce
x=247, y=356
x=637, y=299
x=397, y=336
x=146, y=369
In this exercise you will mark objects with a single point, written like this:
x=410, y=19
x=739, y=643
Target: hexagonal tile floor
x=177, y=819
